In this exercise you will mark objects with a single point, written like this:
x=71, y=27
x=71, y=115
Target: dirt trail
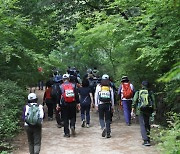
x=124, y=140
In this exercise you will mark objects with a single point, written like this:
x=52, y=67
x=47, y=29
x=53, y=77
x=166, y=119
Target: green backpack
x=33, y=115
x=145, y=100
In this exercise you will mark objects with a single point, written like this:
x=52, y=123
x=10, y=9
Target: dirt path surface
x=124, y=140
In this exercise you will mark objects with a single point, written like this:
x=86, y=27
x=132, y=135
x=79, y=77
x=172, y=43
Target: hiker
x=95, y=72
x=86, y=101
x=104, y=103
x=55, y=94
x=126, y=93
x=40, y=84
x=69, y=101
x=143, y=106
x=93, y=82
x=47, y=99
x=33, y=124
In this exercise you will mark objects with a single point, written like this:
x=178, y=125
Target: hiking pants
x=59, y=116
x=50, y=106
x=105, y=116
x=144, y=126
x=69, y=115
x=34, y=138
x=85, y=112
x=127, y=106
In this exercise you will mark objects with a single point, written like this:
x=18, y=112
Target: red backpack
x=68, y=92
x=127, y=91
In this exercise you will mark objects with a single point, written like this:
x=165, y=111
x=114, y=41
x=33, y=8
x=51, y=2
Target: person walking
x=126, y=92
x=86, y=101
x=33, y=124
x=69, y=101
x=47, y=99
x=143, y=106
x=104, y=103
x=55, y=94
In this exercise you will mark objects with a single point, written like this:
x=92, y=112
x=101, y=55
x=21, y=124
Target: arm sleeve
x=153, y=100
x=23, y=114
x=112, y=97
x=41, y=111
x=76, y=95
x=119, y=90
x=96, y=95
x=135, y=100
x=133, y=89
x=44, y=96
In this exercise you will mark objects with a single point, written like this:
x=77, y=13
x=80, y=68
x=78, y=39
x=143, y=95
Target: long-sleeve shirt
x=96, y=96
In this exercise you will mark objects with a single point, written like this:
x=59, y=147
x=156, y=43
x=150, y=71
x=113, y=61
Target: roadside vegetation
x=140, y=39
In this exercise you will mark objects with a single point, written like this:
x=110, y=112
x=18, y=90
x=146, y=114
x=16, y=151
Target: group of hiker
x=67, y=94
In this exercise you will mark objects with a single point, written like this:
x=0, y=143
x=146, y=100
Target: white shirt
x=96, y=96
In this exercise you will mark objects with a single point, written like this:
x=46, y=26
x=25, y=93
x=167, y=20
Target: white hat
x=65, y=76
x=105, y=76
x=32, y=96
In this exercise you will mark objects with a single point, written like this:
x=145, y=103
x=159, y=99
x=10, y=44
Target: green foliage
x=135, y=38
x=11, y=104
x=169, y=138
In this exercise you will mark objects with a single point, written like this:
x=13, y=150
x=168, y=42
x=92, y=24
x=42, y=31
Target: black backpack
x=55, y=92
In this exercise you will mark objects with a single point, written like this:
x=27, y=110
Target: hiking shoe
x=67, y=135
x=146, y=143
x=73, y=131
x=50, y=119
x=104, y=132
x=87, y=125
x=128, y=124
x=83, y=124
x=59, y=126
x=108, y=136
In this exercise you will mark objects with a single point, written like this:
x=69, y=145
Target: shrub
x=11, y=104
x=169, y=138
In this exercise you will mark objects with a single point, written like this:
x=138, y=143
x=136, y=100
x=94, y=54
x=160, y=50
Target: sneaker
x=50, y=119
x=104, y=132
x=83, y=124
x=87, y=125
x=59, y=126
x=67, y=135
x=108, y=136
x=146, y=143
x=73, y=131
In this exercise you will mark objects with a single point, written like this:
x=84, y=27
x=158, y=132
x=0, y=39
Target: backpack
x=33, y=115
x=105, y=94
x=92, y=84
x=127, y=91
x=68, y=92
x=55, y=90
x=145, y=100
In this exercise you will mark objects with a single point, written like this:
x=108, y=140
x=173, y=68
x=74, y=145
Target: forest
x=140, y=39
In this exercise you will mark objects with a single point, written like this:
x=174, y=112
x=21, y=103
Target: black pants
x=59, y=116
x=50, y=106
x=69, y=116
x=105, y=116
